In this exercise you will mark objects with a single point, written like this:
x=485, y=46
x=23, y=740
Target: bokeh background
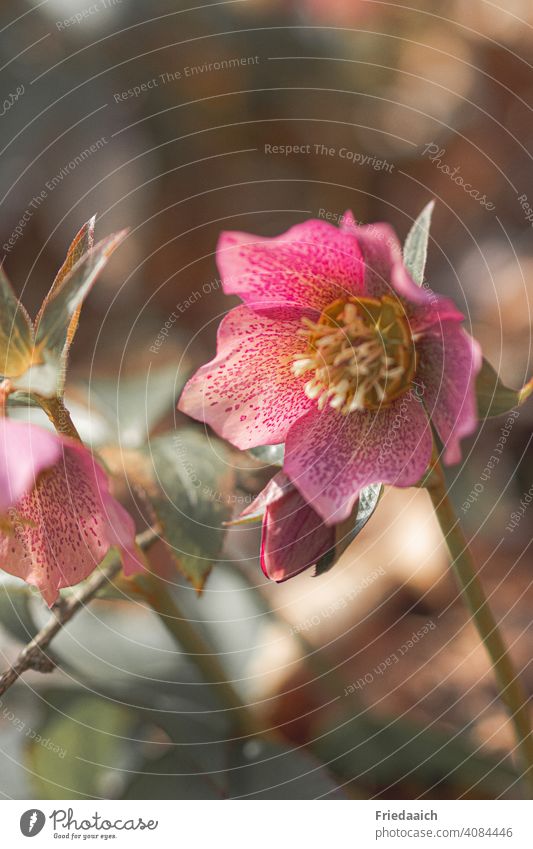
x=372, y=99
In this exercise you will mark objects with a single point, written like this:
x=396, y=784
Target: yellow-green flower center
x=361, y=353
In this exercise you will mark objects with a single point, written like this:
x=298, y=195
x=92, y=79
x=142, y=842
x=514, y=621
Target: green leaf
x=43, y=378
x=15, y=611
x=78, y=747
x=82, y=242
x=18, y=400
x=493, y=397
x=378, y=751
x=416, y=244
x=170, y=778
x=189, y=486
x=136, y=403
x=16, y=332
x=264, y=769
x=58, y=319
x=259, y=769
x=271, y=455
x=194, y=768
x=368, y=501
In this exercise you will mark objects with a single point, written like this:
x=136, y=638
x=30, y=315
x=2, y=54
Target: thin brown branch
x=33, y=655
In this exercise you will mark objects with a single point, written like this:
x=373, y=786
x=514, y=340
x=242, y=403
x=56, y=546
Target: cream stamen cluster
x=361, y=354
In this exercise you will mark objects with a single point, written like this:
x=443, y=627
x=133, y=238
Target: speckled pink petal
x=294, y=537
x=381, y=250
x=270, y=493
x=448, y=362
x=331, y=457
x=306, y=268
x=25, y=450
x=424, y=308
x=385, y=274
x=248, y=393
x=64, y=528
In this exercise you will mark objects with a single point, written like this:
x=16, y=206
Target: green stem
x=511, y=690
x=157, y=596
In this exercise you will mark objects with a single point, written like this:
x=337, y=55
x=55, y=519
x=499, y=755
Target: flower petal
x=385, y=273
x=424, y=308
x=248, y=393
x=25, y=451
x=294, y=537
x=347, y=222
x=331, y=457
x=64, y=527
x=449, y=360
x=381, y=250
x=306, y=268
x=273, y=491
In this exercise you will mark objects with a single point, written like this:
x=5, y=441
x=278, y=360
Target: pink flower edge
x=64, y=525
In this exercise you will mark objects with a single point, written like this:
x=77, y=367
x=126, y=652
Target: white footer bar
x=269, y=824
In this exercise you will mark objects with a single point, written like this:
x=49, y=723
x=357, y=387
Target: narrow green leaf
x=368, y=501
x=16, y=333
x=493, y=397
x=416, y=244
x=57, y=322
x=82, y=242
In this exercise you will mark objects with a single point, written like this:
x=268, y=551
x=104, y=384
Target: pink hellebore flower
x=59, y=519
x=331, y=353
x=293, y=536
